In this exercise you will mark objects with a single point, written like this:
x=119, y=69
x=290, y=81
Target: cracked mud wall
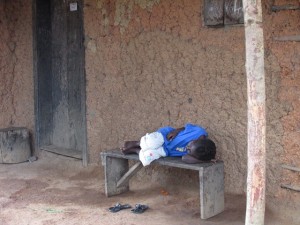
x=153, y=63
x=283, y=101
x=16, y=77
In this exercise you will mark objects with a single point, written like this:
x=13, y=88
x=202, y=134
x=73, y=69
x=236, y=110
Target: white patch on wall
x=73, y=6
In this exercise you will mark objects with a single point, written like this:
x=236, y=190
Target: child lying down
x=190, y=142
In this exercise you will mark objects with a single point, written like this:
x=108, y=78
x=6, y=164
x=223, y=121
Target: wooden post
x=255, y=211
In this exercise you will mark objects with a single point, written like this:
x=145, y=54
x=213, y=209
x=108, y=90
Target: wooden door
x=63, y=99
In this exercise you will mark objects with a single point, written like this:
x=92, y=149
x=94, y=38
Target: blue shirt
x=177, y=146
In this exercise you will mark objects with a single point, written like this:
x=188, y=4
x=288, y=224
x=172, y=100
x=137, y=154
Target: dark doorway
x=59, y=77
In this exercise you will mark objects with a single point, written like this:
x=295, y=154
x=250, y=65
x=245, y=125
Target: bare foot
x=131, y=151
x=131, y=147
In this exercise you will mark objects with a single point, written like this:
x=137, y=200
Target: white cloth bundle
x=151, y=148
x=152, y=141
x=148, y=156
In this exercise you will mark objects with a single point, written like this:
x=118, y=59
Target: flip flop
x=119, y=207
x=139, y=208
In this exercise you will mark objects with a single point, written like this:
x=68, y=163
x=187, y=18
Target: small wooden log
x=14, y=145
x=276, y=8
x=288, y=38
x=290, y=187
x=293, y=168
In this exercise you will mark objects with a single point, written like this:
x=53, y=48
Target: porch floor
x=58, y=190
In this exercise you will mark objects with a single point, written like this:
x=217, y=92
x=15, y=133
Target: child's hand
x=172, y=135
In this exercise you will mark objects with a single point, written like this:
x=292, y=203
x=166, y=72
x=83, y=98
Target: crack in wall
x=15, y=63
x=11, y=20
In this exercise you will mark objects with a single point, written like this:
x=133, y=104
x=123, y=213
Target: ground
x=59, y=190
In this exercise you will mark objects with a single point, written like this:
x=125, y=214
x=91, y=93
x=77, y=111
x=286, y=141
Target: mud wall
x=283, y=136
x=154, y=63
x=16, y=76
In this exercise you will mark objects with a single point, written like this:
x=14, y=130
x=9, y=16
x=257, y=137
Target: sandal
x=119, y=207
x=139, y=208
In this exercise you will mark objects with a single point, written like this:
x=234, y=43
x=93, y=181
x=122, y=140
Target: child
x=190, y=142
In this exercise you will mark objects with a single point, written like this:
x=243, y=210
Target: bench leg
x=211, y=190
x=114, y=169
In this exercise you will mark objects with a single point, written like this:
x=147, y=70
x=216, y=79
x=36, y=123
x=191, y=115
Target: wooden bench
x=211, y=177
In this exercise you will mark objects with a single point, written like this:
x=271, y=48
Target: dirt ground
x=58, y=190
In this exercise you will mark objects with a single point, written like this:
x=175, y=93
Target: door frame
x=38, y=69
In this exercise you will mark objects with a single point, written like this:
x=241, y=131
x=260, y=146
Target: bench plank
x=167, y=161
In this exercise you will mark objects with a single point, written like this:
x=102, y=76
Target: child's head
x=200, y=150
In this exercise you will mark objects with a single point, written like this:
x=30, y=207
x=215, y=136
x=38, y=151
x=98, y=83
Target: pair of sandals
x=139, y=208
